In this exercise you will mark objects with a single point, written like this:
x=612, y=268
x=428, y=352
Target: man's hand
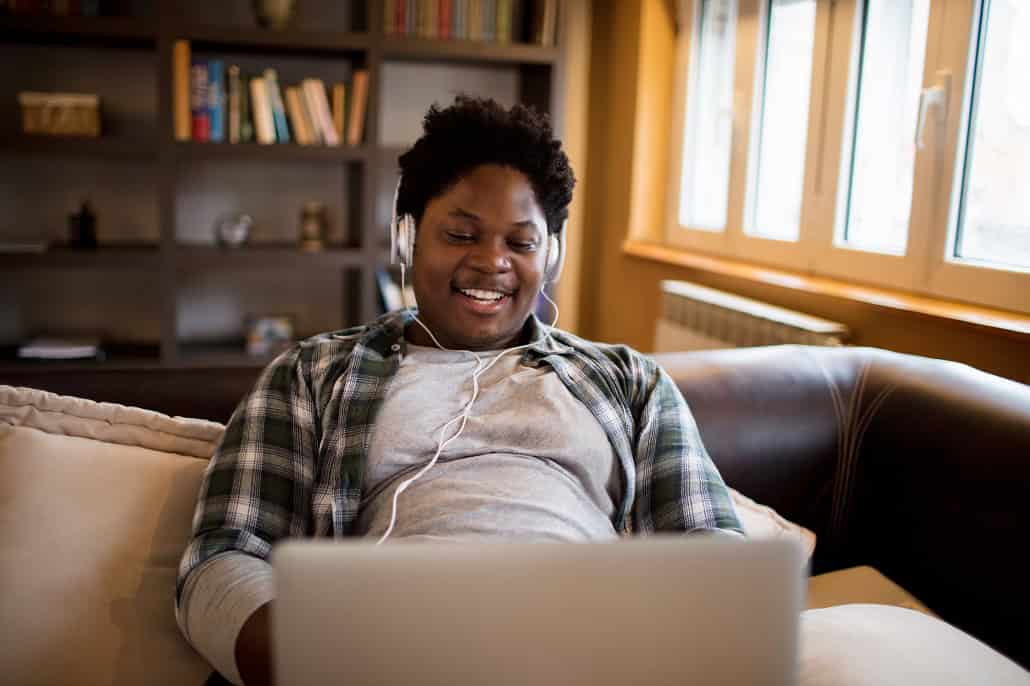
x=254, y=649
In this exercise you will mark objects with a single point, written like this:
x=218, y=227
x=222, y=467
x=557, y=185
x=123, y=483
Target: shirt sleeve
x=257, y=486
x=679, y=487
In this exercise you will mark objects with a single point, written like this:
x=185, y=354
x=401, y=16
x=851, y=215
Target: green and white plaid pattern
x=292, y=458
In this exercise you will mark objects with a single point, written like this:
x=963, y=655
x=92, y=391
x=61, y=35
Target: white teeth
x=489, y=296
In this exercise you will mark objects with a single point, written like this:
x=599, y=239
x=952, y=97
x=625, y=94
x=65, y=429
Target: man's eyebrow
x=465, y=214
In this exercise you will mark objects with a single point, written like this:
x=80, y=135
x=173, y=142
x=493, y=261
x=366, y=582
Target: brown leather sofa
x=917, y=467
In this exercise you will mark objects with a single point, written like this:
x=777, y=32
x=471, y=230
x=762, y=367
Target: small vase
x=275, y=14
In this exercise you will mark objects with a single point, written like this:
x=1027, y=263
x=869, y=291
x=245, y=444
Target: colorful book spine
x=314, y=89
x=233, y=75
x=264, y=126
x=389, y=17
x=216, y=100
x=359, y=100
x=200, y=118
x=293, y=109
x=246, y=118
x=181, y=89
x=475, y=20
x=339, y=108
x=446, y=19
x=275, y=101
x=504, y=11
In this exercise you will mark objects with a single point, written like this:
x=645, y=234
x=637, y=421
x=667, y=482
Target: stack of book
x=500, y=21
x=220, y=104
x=60, y=349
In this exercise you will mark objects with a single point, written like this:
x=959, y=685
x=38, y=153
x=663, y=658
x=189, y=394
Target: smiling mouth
x=483, y=295
x=483, y=300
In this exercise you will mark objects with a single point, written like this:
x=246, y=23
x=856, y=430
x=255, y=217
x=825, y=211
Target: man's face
x=480, y=251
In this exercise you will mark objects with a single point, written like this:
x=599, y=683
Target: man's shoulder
x=617, y=354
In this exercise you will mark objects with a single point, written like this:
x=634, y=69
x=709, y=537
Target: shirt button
x=395, y=347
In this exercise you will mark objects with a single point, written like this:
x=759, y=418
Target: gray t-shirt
x=531, y=464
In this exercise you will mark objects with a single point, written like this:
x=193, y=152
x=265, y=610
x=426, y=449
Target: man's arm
x=256, y=490
x=679, y=487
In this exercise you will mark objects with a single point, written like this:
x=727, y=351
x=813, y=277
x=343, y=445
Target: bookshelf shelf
x=127, y=257
x=145, y=175
x=265, y=257
x=208, y=355
x=106, y=31
x=104, y=147
x=430, y=50
x=277, y=152
x=329, y=43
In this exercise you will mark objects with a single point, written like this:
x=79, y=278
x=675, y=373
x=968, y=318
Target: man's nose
x=490, y=256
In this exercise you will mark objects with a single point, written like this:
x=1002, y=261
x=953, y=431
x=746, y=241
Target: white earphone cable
x=464, y=416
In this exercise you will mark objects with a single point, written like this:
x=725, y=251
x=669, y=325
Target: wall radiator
x=699, y=318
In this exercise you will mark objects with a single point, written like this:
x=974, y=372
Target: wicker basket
x=60, y=114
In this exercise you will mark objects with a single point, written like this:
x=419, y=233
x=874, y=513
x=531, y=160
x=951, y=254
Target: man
x=556, y=439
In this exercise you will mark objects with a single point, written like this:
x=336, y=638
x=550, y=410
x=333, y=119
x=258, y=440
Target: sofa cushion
x=91, y=532
x=859, y=585
x=96, y=502
x=881, y=645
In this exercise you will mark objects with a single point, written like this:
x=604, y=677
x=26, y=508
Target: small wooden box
x=60, y=114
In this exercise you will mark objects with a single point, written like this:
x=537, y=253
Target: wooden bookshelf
x=144, y=139
x=101, y=31
x=266, y=257
x=275, y=152
x=120, y=257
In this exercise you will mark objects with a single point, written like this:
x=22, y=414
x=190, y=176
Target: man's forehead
x=504, y=199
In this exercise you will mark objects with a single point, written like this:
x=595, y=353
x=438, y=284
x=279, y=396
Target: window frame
x=926, y=268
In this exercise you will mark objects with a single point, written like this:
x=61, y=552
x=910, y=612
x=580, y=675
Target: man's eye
x=458, y=237
x=524, y=245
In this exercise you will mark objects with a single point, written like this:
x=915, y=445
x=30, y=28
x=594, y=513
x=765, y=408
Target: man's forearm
x=220, y=599
x=254, y=649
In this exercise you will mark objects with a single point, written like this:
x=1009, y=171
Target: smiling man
x=563, y=440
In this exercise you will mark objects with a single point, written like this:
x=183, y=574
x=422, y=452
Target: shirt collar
x=385, y=335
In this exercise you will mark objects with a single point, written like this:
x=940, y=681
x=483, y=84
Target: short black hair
x=477, y=131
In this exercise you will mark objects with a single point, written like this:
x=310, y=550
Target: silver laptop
x=654, y=611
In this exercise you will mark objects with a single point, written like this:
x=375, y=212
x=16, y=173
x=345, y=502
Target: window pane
x=704, y=190
x=994, y=223
x=881, y=159
x=783, y=125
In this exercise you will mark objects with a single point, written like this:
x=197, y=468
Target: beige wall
x=628, y=137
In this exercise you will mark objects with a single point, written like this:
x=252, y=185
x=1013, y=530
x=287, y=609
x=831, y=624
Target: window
x=879, y=157
x=778, y=157
x=993, y=223
x=878, y=141
x=707, y=145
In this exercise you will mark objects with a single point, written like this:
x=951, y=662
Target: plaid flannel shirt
x=292, y=458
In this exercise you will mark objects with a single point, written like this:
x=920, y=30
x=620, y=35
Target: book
x=264, y=127
x=45, y=348
x=474, y=25
x=200, y=117
x=339, y=107
x=301, y=133
x=390, y=17
x=275, y=100
x=317, y=101
x=446, y=10
x=233, y=74
x=181, y=89
x=246, y=119
x=359, y=100
x=216, y=100
x=504, y=17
